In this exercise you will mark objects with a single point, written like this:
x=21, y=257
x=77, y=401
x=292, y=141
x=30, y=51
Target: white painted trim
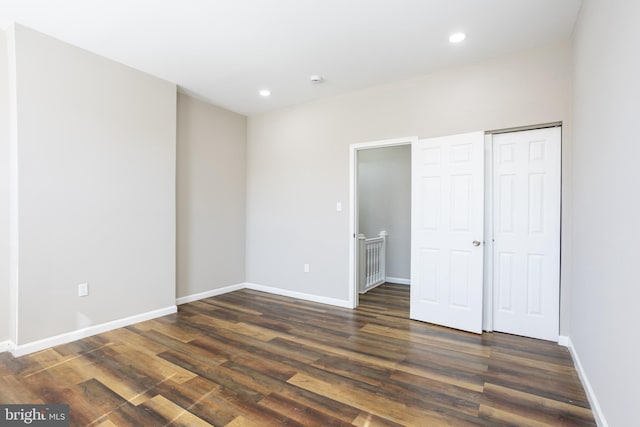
x=563, y=340
x=407, y=140
x=13, y=184
x=353, y=208
x=5, y=346
x=370, y=288
x=211, y=293
x=353, y=229
x=591, y=395
x=299, y=295
x=398, y=280
x=487, y=285
x=21, y=350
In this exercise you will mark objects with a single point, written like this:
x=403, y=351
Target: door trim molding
x=353, y=206
x=523, y=128
x=487, y=286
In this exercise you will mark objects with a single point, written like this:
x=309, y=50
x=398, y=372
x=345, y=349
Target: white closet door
x=526, y=227
x=447, y=210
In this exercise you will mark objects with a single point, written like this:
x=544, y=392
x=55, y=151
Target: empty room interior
x=286, y=212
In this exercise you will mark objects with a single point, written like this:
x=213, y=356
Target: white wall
x=96, y=188
x=211, y=185
x=606, y=227
x=298, y=165
x=384, y=202
x=4, y=191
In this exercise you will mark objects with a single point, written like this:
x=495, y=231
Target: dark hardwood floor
x=248, y=358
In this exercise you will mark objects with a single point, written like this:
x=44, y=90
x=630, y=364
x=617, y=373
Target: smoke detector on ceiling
x=315, y=79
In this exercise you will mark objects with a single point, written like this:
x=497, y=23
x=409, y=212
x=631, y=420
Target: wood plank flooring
x=248, y=358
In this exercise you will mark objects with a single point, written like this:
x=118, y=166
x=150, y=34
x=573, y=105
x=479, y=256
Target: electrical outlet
x=306, y=268
x=83, y=289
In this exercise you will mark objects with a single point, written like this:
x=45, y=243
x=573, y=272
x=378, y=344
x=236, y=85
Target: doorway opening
x=370, y=186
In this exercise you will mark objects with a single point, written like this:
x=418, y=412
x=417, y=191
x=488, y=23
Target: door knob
x=476, y=243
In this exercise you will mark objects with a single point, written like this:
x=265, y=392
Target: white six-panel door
x=447, y=210
x=526, y=231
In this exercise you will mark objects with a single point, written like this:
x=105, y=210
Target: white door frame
x=487, y=304
x=353, y=204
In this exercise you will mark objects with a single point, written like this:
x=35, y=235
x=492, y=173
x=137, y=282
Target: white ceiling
x=224, y=51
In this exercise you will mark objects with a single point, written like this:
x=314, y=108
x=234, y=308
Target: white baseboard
x=370, y=288
x=299, y=295
x=398, y=280
x=21, y=350
x=593, y=400
x=563, y=340
x=211, y=293
x=5, y=346
x=32, y=347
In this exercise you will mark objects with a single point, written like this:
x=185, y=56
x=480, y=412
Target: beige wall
x=4, y=192
x=96, y=188
x=211, y=197
x=298, y=164
x=384, y=202
x=606, y=227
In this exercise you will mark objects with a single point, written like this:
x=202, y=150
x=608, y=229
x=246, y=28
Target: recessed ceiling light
x=457, y=37
x=265, y=92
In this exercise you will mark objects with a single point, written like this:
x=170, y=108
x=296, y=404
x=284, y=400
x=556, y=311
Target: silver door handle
x=476, y=243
